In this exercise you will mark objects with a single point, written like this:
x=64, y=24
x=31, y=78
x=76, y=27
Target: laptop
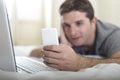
x=8, y=61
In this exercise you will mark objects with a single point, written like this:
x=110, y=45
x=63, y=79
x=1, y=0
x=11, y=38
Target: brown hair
x=77, y=5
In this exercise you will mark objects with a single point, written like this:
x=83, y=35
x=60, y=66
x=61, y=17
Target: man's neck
x=89, y=46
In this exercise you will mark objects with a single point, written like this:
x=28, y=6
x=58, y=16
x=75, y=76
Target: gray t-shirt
x=106, y=43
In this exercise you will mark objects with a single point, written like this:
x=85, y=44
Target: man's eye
x=66, y=25
x=79, y=23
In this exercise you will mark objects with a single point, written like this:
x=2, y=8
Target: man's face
x=78, y=28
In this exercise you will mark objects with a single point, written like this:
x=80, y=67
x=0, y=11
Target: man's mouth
x=75, y=38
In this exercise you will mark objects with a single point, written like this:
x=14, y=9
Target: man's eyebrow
x=78, y=21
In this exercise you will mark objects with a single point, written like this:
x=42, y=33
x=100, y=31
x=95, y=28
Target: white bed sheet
x=98, y=72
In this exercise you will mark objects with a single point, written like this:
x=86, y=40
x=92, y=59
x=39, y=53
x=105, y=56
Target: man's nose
x=73, y=30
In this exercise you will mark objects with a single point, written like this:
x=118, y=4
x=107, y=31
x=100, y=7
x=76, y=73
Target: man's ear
x=94, y=20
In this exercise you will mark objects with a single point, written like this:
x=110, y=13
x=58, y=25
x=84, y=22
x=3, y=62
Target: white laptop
x=8, y=62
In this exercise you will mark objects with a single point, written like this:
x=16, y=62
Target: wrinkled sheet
x=99, y=72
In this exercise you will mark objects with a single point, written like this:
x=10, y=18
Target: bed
x=99, y=72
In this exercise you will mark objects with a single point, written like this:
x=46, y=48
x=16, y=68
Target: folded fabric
x=98, y=72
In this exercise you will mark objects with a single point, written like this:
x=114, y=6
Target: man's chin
x=76, y=44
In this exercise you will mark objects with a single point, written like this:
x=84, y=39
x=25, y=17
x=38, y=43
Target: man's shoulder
x=104, y=31
x=106, y=25
x=107, y=34
x=104, y=28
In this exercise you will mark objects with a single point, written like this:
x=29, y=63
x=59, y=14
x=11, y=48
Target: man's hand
x=63, y=39
x=62, y=57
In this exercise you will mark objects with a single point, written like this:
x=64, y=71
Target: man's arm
x=115, y=58
x=64, y=58
x=36, y=52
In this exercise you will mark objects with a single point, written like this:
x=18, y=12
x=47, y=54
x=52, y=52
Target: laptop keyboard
x=31, y=65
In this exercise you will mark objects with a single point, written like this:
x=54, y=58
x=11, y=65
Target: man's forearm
x=95, y=61
x=90, y=62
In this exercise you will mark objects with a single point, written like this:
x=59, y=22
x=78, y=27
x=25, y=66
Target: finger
x=62, y=35
x=52, y=60
x=51, y=54
x=55, y=48
x=53, y=65
x=63, y=38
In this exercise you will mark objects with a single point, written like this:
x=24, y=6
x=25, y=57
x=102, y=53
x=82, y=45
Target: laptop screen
x=7, y=59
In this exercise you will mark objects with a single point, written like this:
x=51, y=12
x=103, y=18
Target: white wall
x=110, y=11
x=107, y=10
x=28, y=32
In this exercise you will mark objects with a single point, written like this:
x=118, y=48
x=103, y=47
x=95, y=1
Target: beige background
x=27, y=31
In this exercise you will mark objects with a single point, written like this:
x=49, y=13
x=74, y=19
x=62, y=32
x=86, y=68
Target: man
x=82, y=34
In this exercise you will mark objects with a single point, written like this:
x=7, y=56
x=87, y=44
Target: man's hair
x=77, y=5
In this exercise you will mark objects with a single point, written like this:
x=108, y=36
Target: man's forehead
x=73, y=16
x=64, y=21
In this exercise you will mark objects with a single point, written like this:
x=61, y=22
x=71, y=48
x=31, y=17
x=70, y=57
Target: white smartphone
x=49, y=36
